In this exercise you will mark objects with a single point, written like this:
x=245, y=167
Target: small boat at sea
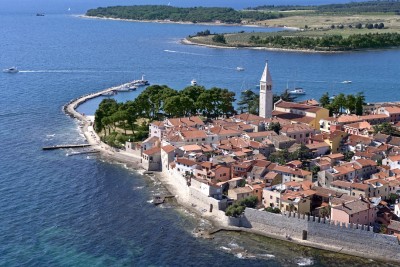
x=193, y=82
x=141, y=82
x=346, y=82
x=11, y=70
x=297, y=91
x=239, y=68
x=39, y=14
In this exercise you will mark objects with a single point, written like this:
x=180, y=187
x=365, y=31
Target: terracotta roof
x=317, y=145
x=335, y=156
x=152, y=151
x=393, y=109
x=297, y=127
x=241, y=190
x=394, y=225
x=353, y=207
x=261, y=134
x=185, y=161
x=248, y=117
x=359, y=125
x=310, y=102
x=191, y=148
x=194, y=134
x=394, y=158
x=366, y=162
x=168, y=148
x=151, y=139
x=189, y=121
x=220, y=130
x=292, y=105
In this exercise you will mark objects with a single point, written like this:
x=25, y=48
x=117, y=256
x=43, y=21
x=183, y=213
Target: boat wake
x=186, y=53
x=74, y=71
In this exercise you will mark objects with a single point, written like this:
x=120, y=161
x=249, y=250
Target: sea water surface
x=59, y=210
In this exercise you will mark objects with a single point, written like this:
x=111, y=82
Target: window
x=270, y=197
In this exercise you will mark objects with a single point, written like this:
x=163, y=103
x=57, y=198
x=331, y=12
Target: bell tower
x=266, y=97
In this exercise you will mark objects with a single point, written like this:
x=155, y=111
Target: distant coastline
x=186, y=41
x=175, y=22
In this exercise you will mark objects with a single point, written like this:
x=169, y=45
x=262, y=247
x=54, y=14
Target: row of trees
x=342, y=103
x=359, y=26
x=192, y=14
x=158, y=101
x=329, y=42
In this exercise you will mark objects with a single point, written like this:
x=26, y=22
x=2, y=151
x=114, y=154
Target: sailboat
x=295, y=91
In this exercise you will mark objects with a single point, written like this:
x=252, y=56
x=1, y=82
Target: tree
x=219, y=38
x=247, y=99
x=386, y=128
x=359, y=102
x=351, y=103
x=315, y=169
x=338, y=103
x=275, y=126
x=193, y=92
x=325, y=211
x=325, y=100
x=348, y=156
x=234, y=210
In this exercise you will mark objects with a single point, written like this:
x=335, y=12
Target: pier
x=65, y=146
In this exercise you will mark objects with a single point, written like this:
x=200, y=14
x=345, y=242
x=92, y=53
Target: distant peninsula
x=180, y=14
x=324, y=28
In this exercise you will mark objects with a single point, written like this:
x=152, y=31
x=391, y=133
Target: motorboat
x=193, y=82
x=39, y=14
x=346, y=82
x=11, y=70
x=297, y=91
x=239, y=68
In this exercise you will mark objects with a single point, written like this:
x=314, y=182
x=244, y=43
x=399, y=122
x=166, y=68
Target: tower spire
x=266, y=98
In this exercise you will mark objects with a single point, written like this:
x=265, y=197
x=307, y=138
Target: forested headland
x=180, y=14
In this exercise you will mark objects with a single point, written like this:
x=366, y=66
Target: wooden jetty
x=65, y=146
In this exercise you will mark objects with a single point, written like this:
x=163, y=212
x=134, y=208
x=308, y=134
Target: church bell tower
x=266, y=94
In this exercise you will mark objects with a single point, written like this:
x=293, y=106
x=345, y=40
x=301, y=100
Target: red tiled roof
x=185, y=161
x=152, y=151
x=168, y=148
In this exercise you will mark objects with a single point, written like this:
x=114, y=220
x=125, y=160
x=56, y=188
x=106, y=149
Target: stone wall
x=347, y=238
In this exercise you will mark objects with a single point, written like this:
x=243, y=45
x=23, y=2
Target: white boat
x=193, y=82
x=297, y=91
x=11, y=70
x=346, y=82
x=239, y=68
x=141, y=82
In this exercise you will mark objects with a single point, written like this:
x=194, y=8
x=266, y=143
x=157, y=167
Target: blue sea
x=59, y=210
